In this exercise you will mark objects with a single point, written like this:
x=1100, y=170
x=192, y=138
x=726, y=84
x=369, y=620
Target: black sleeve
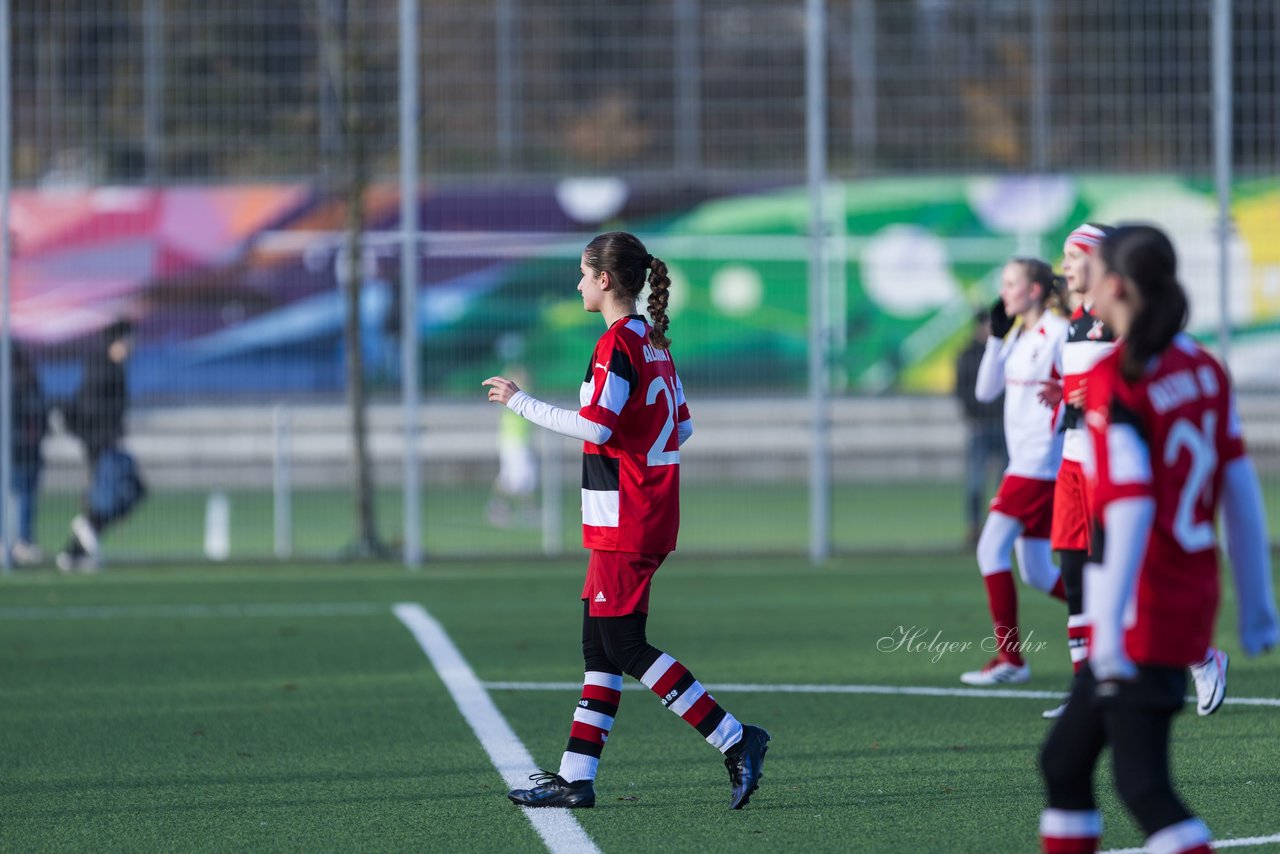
x=967, y=379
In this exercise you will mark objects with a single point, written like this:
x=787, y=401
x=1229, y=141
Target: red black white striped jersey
x=1167, y=437
x=631, y=483
x=1088, y=340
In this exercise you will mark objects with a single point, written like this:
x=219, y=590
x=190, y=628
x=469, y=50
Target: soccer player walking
x=1168, y=449
x=633, y=420
x=1021, y=512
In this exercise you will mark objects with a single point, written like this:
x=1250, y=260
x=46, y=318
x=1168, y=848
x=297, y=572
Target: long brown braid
x=624, y=258
x=659, y=297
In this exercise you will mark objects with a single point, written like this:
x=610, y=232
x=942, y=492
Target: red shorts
x=618, y=582
x=1072, y=506
x=1029, y=501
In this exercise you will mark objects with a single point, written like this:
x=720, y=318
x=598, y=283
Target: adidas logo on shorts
x=600, y=597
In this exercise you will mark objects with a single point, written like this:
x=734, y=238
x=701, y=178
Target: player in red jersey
x=1088, y=341
x=633, y=420
x=1167, y=449
x=1022, y=510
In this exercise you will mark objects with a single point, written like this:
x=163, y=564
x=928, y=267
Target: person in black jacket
x=30, y=416
x=96, y=415
x=984, y=428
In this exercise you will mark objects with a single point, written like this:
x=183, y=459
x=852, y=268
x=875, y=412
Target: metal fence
x=833, y=183
x=672, y=91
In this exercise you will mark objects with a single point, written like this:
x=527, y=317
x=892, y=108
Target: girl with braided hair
x=632, y=421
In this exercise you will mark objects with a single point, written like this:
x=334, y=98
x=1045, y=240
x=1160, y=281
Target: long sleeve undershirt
x=569, y=423
x=1247, y=545
x=990, y=382
x=566, y=422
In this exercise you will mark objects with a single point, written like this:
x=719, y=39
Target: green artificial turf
x=140, y=710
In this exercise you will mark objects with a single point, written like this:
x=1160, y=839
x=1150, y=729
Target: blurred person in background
x=1168, y=450
x=984, y=427
x=96, y=415
x=514, y=497
x=632, y=421
x=1019, y=356
x=30, y=417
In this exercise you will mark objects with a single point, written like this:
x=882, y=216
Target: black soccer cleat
x=552, y=790
x=745, y=762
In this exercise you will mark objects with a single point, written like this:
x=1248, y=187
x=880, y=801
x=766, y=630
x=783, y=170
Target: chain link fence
x=193, y=168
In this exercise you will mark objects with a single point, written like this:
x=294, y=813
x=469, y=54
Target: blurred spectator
x=984, y=427
x=96, y=415
x=30, y=415
x=514, y=497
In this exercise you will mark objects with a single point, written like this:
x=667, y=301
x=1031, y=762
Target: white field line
x=897, y=690
x=39, y=613
x=557, y=827
x=1243, y=842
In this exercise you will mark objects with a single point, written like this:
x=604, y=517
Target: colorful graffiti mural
x=233, y=289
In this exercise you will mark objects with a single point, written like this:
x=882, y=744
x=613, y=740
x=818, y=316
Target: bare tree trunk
x=342, y=47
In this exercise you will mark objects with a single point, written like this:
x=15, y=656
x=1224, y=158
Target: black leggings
x=616, y=644
x=1072, y=562
x=1135, y=722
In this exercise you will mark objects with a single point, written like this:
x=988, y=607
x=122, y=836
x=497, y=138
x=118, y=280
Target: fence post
x=409, y=140
x=281, y=480
x=863, y=70
x=1222, y=143
x=819, y=303
x=6, y=365
x=688, y=100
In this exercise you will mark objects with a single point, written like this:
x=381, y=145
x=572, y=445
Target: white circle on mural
x=737, y=290
x=906, y=271
x=677, y=294
x=1022, y=204
x=1191, y=221
x=592, y=200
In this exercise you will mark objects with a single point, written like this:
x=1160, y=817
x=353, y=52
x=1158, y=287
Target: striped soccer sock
x=1078, y=640
x=684, y=695
x=1070, y=831
x=592, y=721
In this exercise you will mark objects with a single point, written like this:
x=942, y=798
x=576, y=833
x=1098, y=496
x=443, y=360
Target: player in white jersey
x=1021, y=513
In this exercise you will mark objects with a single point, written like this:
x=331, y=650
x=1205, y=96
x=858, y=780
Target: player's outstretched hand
x=1001, y=322
x=1260, y=633
x=1050, y=393
x=501, y=389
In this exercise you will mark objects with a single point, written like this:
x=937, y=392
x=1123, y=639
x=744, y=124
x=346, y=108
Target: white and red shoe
x=998, y=672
